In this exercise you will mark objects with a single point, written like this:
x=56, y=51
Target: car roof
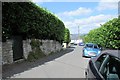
x=115, y=53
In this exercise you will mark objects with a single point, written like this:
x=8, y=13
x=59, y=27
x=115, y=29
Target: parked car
x=91, y=50
x=81, y=44
x=75, y=43
x=106, y=66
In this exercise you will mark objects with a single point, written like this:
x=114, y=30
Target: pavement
x=68, y=63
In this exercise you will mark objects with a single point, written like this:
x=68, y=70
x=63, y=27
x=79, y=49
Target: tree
x=67, y=36
x=30, y=21
x=107, y=35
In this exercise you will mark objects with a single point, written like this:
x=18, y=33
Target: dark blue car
x=91, y=50
x=81, y=44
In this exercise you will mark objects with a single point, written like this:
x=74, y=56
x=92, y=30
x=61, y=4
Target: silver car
x=104, y=67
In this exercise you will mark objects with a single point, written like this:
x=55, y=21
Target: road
x=70, y=65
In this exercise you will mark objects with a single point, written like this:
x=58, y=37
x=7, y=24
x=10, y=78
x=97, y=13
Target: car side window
x=103, y=67
x=100, y=60
x=95, y=46
x=112, y=69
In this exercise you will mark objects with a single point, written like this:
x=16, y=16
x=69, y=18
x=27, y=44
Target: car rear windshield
x=89, y=45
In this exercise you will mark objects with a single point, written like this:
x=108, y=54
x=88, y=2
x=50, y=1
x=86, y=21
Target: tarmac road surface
x=70, y=65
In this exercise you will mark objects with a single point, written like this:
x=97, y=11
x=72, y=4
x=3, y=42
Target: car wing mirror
x=100, y=48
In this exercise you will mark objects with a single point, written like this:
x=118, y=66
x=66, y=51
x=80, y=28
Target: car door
x=104, y=67
x=94, y=66
x=110, y=68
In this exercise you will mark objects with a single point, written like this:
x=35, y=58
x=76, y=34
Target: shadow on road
x=10, y=70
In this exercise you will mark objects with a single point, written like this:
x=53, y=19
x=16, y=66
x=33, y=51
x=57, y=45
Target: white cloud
x=75, y=0
x=87, y=24
x=109, y=0
x=94, y=19
x=64, y=0
x=72, y=19
x=78, y=12
x=42, y=0
x=107, y=4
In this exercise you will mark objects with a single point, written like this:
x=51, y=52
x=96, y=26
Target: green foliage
x=52, y=53
x=82, y=36
x=67, y=36
x=108, y=35
x=30, y=21
x=35, y=55
x=35, y=43
x=36, y=52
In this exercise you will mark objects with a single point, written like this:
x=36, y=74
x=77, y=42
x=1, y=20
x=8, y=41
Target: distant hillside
x=75, y=36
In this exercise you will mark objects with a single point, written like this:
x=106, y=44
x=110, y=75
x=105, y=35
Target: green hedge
x=67, y=36
x=108, y=35
x=30, y=21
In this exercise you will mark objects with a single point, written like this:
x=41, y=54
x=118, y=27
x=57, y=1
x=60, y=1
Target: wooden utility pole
x=78, y=33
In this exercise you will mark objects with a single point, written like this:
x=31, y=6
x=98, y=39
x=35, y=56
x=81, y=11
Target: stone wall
x=0, y=53
x=7, y=52
x=26, y=48
x=47, y=47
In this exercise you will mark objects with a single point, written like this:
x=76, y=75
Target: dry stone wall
x=48, y=46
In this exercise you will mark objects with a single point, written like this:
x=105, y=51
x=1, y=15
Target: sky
x=81, y=15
